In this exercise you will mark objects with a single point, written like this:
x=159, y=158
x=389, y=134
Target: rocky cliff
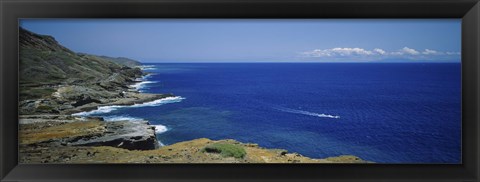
x=44, y=61
x=56, y=82
x=61, y=130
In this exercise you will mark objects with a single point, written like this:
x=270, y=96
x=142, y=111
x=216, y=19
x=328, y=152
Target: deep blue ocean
x=382, y=112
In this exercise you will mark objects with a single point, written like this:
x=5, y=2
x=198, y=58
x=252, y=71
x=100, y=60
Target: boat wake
x=295, y=111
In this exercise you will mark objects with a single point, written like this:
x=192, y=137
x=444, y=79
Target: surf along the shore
x=138, y=86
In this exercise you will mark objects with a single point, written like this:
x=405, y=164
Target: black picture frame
x=11, y=11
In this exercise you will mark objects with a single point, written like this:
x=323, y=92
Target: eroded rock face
x=60, y=130
x=132, y=135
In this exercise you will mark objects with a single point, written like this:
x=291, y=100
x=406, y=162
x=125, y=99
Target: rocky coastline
x=56, y=84
x=62, y=138
x=53, y=138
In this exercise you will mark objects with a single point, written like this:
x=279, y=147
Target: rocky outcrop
x=61, y=130
x=128, y=98
x=106, y=149
x=65, y=139
x=132, y=135
x=73, y=99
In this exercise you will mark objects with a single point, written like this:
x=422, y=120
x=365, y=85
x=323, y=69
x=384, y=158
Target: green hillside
x=45, y=64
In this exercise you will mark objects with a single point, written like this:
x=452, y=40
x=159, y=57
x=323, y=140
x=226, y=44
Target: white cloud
x=380, y=51
x=338, y=51
x=431, y=52
x=410, y=51
x=347, y=53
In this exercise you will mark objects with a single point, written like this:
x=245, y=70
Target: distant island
x=56, y=82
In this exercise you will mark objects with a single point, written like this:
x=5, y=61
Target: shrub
x=45, y=108
x=226, y=150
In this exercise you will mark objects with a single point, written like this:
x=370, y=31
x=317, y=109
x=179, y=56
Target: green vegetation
x=122, y=61
x=45, y=108
x=44, y=61
x=226, y=150
x=35, y=93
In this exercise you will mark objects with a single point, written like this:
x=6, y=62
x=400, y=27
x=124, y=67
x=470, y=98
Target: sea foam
x=147, y=67
x=121, y=118
x=107, y=109
x=142, y=82
x=140, y=85
x=160, y=128
x=295, y=111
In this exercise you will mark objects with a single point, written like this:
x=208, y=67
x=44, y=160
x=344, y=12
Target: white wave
x=144, y=77
x=99, y=110
x=147, y=67
x=81, y=118
x=142, y=82
x=160, y=129
x=147, y=75
x=321, y=115
x=121, y=118
x=158, y=102
x=107, y=109
x=141, y=85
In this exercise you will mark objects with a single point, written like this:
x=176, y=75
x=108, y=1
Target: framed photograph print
x=230, y=90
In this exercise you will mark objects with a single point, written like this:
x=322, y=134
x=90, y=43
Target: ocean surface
x=386, y=113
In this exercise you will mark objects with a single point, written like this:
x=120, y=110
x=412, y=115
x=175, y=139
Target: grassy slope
x=123, y=61
x=44, y=62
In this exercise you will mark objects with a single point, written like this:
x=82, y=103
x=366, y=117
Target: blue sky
x=256, y=40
